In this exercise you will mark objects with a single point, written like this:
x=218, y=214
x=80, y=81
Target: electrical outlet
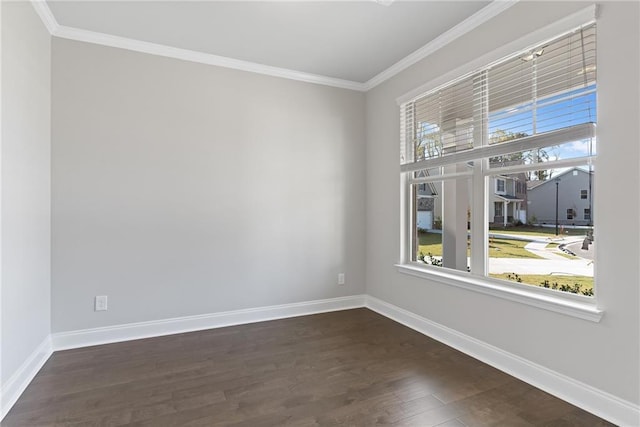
x=341, y=279
x=101, y=303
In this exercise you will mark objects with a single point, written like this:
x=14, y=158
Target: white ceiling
x=353, y=41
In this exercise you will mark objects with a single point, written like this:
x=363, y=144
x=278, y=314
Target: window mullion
x=479, y=210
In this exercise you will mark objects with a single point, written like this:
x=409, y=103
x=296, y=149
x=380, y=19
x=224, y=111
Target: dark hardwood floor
x=351, y=367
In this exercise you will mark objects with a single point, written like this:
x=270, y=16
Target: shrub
x=433, y=260
x=576, y=288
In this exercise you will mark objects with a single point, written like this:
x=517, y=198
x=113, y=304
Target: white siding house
x=509, y=202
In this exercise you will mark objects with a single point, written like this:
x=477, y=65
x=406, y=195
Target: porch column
x=455, y=201
x=504, y=212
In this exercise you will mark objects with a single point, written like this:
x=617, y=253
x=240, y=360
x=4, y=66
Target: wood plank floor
x=351, y=367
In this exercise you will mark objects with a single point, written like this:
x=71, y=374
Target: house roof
x=509, y=198
x=535, y=184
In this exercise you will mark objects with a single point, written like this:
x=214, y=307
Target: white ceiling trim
x=62, y=31
x=483, y=15
x=493, y=9
x=200, y=57
x=43, y=11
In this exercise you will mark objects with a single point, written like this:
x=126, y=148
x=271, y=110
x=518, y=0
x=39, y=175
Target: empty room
x=234, y=213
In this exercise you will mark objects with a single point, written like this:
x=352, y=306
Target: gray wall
x=604, y=355
x=181, y=189
x=25, y=185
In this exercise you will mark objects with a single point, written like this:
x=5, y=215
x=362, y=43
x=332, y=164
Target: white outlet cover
x=100, y=303
x=341, y=279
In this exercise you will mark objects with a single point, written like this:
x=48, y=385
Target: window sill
x=570, y=305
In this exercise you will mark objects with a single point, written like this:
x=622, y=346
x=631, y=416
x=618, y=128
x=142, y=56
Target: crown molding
x=493, y=9
x=62, y=31
x=200, y=57
x=483, y=15
x=43, y=11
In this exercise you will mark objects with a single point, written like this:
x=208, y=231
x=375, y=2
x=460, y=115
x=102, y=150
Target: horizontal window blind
x=534, y=97
x=545, y=88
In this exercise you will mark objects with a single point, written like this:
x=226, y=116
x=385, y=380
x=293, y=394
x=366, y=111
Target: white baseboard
x=591, y=399
x=133, y=331
x=20, y=379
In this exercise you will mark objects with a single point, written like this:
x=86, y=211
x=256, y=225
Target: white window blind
x=540, y=97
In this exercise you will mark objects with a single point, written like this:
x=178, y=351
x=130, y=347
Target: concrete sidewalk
x=561, y=266
x=540, y=249
x=538, y=245
x=553, y=262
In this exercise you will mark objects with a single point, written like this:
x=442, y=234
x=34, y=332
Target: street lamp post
x=557, y=184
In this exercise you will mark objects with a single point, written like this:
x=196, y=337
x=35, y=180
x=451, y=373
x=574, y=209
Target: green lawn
x=506, y=248
x=498, y=248
x=430, y=243
x=537, y=231
x=585, y=282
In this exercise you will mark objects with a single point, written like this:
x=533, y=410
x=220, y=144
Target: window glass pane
x=566, y=151
x=428, y=220
x=441, y=217
x=567, y=109
x=551, y=87
x=537, y=236
x=442, y=121
x=535, y=117
x=538, y=205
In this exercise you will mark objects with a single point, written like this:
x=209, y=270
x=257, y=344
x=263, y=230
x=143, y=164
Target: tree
x=538, y=155
x=428, y=143
x=506, y=159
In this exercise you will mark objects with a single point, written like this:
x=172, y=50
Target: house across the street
x=574, y=194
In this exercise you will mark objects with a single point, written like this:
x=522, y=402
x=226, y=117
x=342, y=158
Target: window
x=587, y=214
x=583, y=194
x=498, y=146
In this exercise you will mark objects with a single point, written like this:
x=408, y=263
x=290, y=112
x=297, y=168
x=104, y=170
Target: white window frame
x=565, y=303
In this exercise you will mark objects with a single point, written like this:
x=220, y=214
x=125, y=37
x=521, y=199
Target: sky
x=557, y=112
x=570, y=108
